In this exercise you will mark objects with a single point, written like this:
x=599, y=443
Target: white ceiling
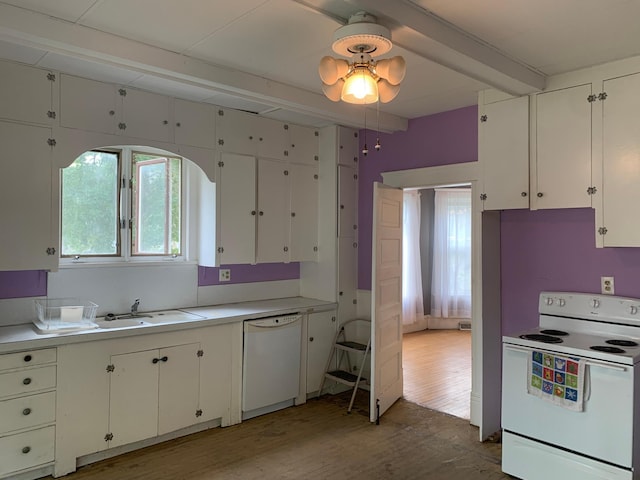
x=262, y=55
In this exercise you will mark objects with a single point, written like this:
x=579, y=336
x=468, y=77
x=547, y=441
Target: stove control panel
x=585, y=305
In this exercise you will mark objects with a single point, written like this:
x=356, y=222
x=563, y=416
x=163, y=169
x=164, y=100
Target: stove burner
x=541, y=338
x=605, y=348
x=622, y=343
x=555, y=333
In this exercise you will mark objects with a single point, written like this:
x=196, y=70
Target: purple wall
x=29, y=283
x=555, y=250
x=440, y=139
x=265, y=272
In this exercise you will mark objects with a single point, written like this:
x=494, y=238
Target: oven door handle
x=618, y=368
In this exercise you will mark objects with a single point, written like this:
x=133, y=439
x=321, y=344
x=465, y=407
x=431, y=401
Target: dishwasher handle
x=273, y=322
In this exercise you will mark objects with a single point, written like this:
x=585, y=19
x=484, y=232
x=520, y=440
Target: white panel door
x=386, y=299
x=145, y=115
x=303, y=145
x=563, y=148
x=621, y=161
x=321, y=332
x=25, y=95
x=133, y=397
x=271, y=138
x=304, y=213
x=195, y=123
x=236, y=131
x=236, y=209
x=178, y=388
x=87, y=105
x=273, y=212
x=347, y=195
x=504, y=153
x=347, y=278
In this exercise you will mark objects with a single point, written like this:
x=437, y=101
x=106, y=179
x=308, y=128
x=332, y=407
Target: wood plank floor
x=315, y=441
x=437, y=370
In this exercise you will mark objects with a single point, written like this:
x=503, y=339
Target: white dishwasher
x=271, y=364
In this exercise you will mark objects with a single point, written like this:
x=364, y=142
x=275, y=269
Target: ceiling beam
x=34, y=30
x=425, y=34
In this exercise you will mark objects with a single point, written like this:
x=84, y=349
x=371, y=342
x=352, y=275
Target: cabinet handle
x=253, y=212
x=26, y=381
x=164, y=359
x=155, y=360
x=26, y=449
x=261, y=213
x=112, y=112
x=27, y=358
x=540, y=194
x=26, y=411
x=293, y=214
x=165, y=122
x=178, y=124
x=524, y=194
x=311, y=339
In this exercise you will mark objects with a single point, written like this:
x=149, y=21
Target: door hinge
x=122, y=92
x=108, y=437
x=602, y=96
x=110, y=368
x=198, y=413
x=220, y=250
x=483, y=118
x=221, y=142
x=591, y=190
x=131, y=183
x=51, y=251
x=221, y=164
x=51, y=77
x=51, y=142
x=221, y=113
x=51, y=114
x=592, y=98
x=130, y=224
x=122, y=126
x=123, y=224
x=483, y=196
x=602, y=230
x=200, y=353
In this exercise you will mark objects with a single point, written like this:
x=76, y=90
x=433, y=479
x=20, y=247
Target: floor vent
x=464, y=325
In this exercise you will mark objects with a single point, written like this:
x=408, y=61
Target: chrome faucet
x=134, y=307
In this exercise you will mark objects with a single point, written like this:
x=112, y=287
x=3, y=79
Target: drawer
x=25, y=450
x=26, y=412
x=27, y=359
x=27, y=381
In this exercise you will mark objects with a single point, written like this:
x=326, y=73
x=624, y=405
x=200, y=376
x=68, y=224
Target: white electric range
x=598, y=440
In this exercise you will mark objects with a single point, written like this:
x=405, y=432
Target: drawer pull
x=26, y=411
x=26, y=381
x=26, y=449
x=27, y=358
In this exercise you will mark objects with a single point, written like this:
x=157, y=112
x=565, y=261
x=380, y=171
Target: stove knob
x=549, y=301
x=561, y=302
x=633, y=310
x=595, y=303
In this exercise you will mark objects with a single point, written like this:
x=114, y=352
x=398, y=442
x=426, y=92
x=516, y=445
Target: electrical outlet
x=224, y=275
x=606, y=285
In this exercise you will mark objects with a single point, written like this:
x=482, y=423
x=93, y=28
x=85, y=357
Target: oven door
x=603, y=430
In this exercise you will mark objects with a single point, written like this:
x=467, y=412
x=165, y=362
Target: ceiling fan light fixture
x=360, y=87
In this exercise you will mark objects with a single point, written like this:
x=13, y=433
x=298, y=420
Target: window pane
x=156, y=206
x=90, y=205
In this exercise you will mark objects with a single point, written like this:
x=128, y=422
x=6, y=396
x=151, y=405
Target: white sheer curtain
x=412, y=304
x=451, y=281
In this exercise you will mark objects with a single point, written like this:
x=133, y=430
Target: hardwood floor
x=437, y=370
x=317, y=441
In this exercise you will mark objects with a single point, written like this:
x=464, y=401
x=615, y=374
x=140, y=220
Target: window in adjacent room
x=122, y=205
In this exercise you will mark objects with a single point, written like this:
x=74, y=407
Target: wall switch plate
x=607, y=286
x=224, y=274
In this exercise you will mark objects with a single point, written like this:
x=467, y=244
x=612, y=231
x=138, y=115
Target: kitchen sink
x=121, y=323
x=171, y=316
x=146, y=318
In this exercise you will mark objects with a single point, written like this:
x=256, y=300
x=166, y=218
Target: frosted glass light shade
x=331, y=69
x=333, y=92
x=387, y=91
x=392, y=69
x=360, y=87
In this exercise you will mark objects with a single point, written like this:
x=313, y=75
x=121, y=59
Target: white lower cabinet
x=26, y=450
x=321, y=331
x=121, y=391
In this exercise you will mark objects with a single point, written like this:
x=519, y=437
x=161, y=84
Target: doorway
x=437, y=299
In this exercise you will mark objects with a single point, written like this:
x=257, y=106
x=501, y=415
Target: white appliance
x=543, y=440
x=271, y=367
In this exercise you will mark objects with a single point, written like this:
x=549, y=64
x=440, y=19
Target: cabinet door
x=621, y=158
x=236, y=132
x=144, y=115
x=347, y=194
x=133, y=397
x=347, y=278
x=563, y=149
x=26, y=93
x=236, y=209
x=303, y=144
x=271, y=138
x=348, y=148
x=321, y=329
x=304, y=213
x=87, y=105
x=194, y=124
x=273, y=212
x=504, y=153
x=178, y=388
x=28, y=210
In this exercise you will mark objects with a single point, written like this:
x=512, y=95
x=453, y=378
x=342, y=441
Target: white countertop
x=27, y=336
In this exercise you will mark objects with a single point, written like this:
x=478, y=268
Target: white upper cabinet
x=348, y=147
x=249, y=134
x=504, y=153
x=271, y=138
x=561, y=162
x=303, y=244
x=621, y=162
x=194, y=123
x=302, y=144
x=29, y=233
x=87, y=105
x=26, y=94
x=273, y=209
x=236, y=189
x=347, y=197
x=144, y=115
